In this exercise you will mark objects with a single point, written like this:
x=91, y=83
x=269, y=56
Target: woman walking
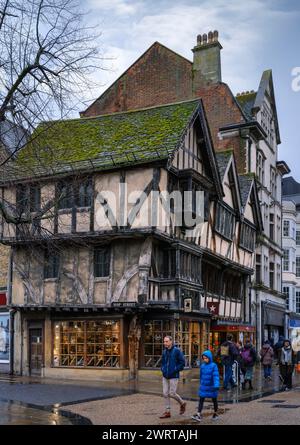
x=248, y=355
x=266, y=356
x=286, y=364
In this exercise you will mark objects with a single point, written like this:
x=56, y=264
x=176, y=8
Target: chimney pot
x=210, y=37
x=199, y=39
x=216, y=36
x=204, y=37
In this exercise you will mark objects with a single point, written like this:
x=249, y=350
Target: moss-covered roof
x=105, y=142
x=246, y=102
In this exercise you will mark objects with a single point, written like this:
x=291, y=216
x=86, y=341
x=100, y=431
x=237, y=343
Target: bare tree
x=47, y=55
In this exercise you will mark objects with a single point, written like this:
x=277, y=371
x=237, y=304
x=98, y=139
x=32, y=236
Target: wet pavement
x=33, y=401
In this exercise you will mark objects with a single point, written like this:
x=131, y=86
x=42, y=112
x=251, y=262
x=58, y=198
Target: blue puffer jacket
x=172, y=363
x=209, y=378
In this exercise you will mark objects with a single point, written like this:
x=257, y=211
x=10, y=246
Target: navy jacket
x=172, y=363
x=209, y=378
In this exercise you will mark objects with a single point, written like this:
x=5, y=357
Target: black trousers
x=286, y=372
x=201, y=403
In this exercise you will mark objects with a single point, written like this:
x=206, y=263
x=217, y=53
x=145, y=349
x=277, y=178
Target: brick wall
x=161, y=76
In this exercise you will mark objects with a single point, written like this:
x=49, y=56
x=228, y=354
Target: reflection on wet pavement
x=12, y=413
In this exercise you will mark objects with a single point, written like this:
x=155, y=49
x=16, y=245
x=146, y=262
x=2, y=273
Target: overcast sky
x=255, y=35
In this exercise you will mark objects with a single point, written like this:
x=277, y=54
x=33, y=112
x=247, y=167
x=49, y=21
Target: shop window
x=90, y=344
x=4, y=338
x=186, y=336
x=101, y=262
x=51, y=265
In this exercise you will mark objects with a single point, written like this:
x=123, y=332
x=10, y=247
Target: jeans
x=228, y=376
x=267, y=371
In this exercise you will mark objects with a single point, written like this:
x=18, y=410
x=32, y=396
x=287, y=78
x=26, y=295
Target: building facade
x=291, y=254
x=102, y=269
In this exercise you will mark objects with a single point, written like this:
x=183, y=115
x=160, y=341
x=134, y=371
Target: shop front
x=273, y=321
x=102, y=345
x=241, y=332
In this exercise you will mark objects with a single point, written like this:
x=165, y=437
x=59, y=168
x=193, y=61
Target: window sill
x=50, y=280
x=100, y=279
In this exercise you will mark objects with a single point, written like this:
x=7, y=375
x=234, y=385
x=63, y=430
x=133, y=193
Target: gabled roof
x=249, y=191
x=226, y=164
x=267, y=80
x=246, y=101
x=105, y=142
x=223, y=158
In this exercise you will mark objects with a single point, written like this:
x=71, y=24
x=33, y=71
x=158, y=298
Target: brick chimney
x=207, y=60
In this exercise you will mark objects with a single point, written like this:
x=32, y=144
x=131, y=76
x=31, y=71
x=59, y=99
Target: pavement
x=143, y=409
x=34, y=400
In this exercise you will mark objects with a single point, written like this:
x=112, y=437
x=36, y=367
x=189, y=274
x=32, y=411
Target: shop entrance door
x=35, y=351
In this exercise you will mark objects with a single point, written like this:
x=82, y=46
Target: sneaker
x=182, y=408
x=197, y=417
x=165, y=415
x=215, y=416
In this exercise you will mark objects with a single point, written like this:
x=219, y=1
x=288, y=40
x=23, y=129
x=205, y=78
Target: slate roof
x=222, y=160
x=290, y=186
x=104, y=142
x=245, y=182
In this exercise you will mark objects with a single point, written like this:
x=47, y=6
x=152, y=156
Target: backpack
x=224, y=351
x=247, y=356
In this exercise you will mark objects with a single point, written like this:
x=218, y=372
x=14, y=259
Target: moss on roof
x=246, y=102
x=107, y=141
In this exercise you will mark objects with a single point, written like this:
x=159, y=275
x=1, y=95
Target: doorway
x=36, y=351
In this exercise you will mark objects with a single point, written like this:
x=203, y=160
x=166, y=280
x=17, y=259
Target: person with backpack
x=248, y=355
x=172, y=363
x=209, y=385
x=228, y=352
x=266, y=357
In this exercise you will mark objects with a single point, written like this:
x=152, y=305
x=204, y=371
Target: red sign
x=3, y=299
x=213, y=308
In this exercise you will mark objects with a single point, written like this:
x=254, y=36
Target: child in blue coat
x=209, y=384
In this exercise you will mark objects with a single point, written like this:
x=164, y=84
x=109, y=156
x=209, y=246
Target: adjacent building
x=291, y=253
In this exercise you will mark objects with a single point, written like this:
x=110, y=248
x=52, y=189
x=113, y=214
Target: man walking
x=229, y=354
x=173, y=362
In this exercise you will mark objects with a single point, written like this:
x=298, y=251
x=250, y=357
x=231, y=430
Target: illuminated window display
x=4, y=338
x=93, y=343
x=186, y=336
